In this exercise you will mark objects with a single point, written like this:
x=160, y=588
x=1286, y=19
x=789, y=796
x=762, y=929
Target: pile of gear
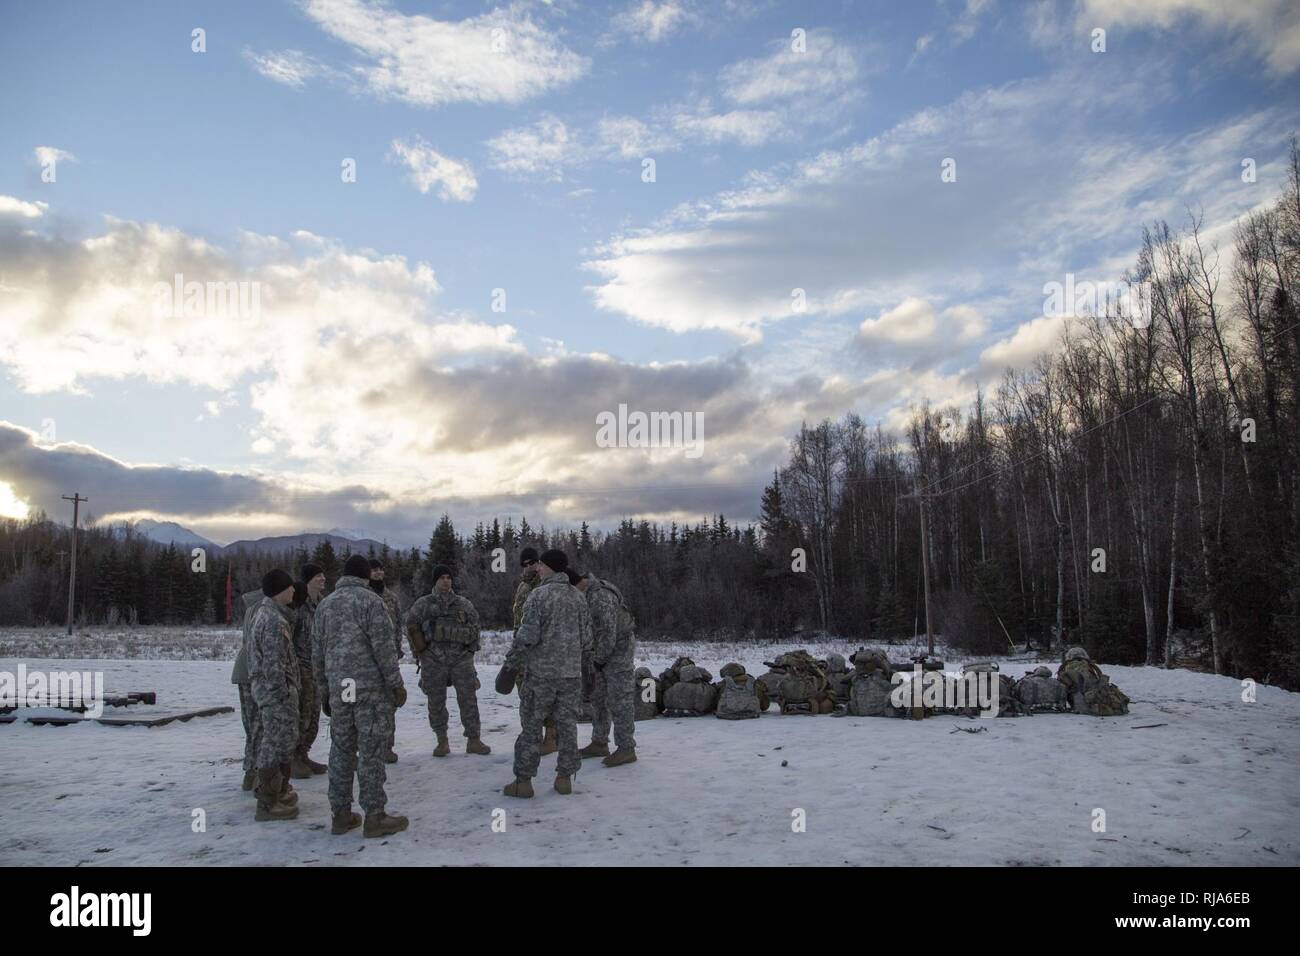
x=801, y=684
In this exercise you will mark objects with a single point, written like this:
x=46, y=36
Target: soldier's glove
x=399, y=696
x=506, y=678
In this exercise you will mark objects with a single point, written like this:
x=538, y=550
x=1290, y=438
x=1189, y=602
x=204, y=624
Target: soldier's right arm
x=521, y=596
x=379, y=630
x=415, y=627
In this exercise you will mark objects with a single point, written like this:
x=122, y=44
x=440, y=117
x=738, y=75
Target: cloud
x=825, y=68
x=865, y=226
x=1267, y=27
x=429, y=168
x=47, y=155
x=541, y=150
x=290, y=67
x=914, y=332
x=501, y=56
x=11, y=206
x=653, y=21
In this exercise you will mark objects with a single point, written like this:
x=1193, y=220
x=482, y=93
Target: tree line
x=1135, y=491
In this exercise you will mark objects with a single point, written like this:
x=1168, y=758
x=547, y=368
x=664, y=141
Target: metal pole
x=76, y=500
x=925, y=573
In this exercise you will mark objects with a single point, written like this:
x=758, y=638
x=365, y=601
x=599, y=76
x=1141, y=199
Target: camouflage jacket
x=613, y=631
x=352, y=638
x=241, y=608
x=449, y=608
x=554, y=634
x=526, y=585
x=303, y=619
x=272, y=670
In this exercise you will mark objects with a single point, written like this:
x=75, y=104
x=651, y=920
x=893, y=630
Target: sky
x=434, y=243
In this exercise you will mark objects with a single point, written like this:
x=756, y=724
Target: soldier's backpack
x=690, y=699
x=738, y=698
x=671, y=676
x=1039, y=690
x=801, y=685
x=645, y=695
x=869, y=695
x=1090, y=691
x=866, y=662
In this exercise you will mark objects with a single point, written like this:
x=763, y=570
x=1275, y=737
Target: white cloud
x=653, y=21
x=45, y=155
x=453, y=178
x=1270, y=26
x=826, y=68
x=11, y=206
x=501, y=56
x=541, y=150
x=290, y=67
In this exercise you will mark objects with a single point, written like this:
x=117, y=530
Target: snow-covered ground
x=1217, y=784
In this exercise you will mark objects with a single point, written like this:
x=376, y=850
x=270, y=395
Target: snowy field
x=1217, y=784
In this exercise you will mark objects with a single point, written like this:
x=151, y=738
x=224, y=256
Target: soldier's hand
x=399, y=696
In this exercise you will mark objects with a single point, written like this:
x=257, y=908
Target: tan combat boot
x=563, y=784
x=345, y=821
x=620, y=757
x=594, y=749
x=269, y=806
x=522, y=787
x=381, y=824
x=299, y=770
x=316, y=766
x=476, y=746
x=288, y=795
x=390, y=756
x=443, y=747
x=250, y=780
x=550, y=741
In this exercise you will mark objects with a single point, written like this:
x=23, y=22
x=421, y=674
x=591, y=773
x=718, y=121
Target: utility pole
x=925, y=575
x=72, y=580
x=925, y=566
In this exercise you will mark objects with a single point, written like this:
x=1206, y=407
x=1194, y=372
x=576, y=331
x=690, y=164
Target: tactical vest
x=444, y=626
x=738, y=698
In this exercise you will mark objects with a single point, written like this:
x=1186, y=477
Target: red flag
x=228, y=594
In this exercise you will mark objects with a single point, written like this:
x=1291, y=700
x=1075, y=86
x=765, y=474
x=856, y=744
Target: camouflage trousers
x=308, y=710
x=359, y=734
x=613, y=701
x=277, y=733
x=537, y=698
x=441, y=665
x=548, y=722
x=248, y=714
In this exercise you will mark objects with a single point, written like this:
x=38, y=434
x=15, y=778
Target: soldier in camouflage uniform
x=553, y=636
x=443, y=629
x=614, y=643
x=356, y=668
x=527, y=581
x=311, y=579
x=395, y=615
x=273, y=679
x=243, y=609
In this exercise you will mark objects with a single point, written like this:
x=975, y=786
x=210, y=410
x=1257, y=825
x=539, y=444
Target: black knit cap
x=276, y=581
x=439, y=570
x=526, y=555
x=309, y=571
x=357, y=566
x=573, y=576
x=375, y=564
x=555, y=559
x=299, y=594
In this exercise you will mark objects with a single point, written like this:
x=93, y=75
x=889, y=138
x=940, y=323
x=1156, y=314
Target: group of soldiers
x=304, y=653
